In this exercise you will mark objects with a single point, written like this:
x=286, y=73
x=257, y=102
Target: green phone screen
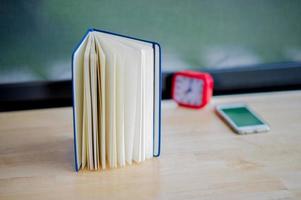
x=242, y=116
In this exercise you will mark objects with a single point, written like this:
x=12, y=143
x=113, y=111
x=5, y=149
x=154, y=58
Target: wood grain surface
x=201, y=157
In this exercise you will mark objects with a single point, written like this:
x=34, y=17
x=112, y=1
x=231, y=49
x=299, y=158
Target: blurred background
x=37, y=37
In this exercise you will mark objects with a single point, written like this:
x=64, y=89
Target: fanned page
x=114, y=80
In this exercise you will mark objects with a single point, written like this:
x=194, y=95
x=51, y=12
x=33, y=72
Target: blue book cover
x=94, y=147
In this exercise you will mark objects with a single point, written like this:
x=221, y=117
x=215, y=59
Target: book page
x=94, y=102
x=137, y=150
x=121, y=52
x=148, y=103
x=101, y=103
x=109, y=103
x=120, y=92
x=131, y=65
x=112, y=136
x=78, y=62
x=86, y=89
x=132, y=102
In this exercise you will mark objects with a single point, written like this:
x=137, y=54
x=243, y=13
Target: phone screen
x=242, y=116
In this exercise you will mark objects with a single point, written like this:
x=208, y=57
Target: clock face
x=188, y=90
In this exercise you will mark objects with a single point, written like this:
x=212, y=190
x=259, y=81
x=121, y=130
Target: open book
x=116, y=100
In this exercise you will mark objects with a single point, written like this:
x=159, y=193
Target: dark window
x=248, y=46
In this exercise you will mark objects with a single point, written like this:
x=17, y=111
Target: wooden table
x=201, y=157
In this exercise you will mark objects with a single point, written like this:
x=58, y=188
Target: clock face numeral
x=188, y=90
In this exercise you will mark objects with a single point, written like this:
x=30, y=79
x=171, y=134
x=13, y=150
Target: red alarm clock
x=192, y=89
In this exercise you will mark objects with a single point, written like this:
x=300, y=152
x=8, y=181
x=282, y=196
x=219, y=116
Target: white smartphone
x=242, y=119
